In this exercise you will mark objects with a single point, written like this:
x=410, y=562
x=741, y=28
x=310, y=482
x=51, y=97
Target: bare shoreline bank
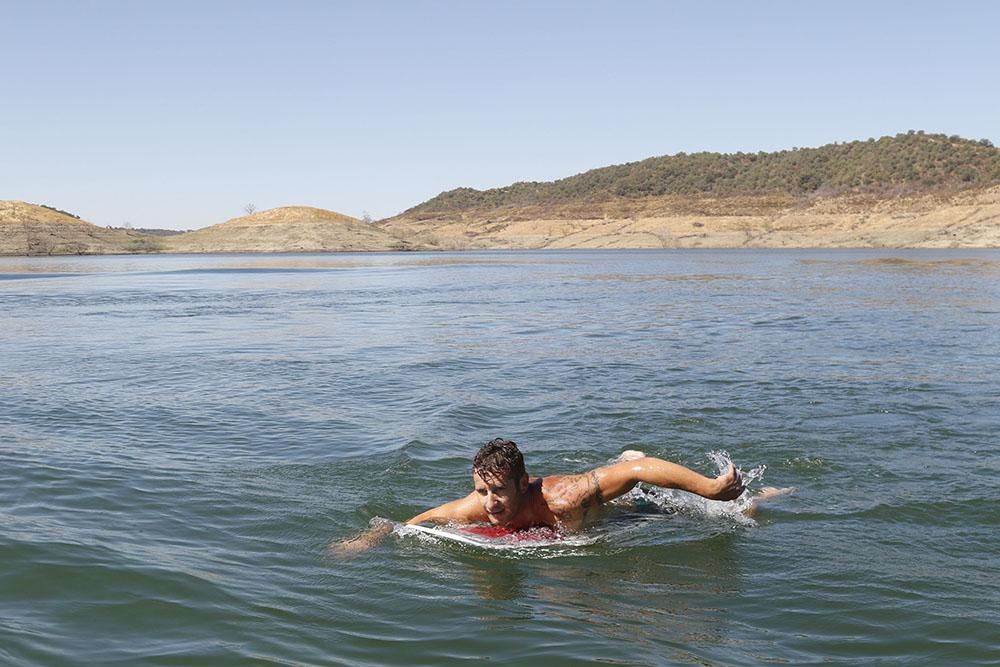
x=966, y=219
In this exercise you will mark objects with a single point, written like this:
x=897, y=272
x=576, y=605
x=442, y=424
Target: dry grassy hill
x=29, y=229
x=287, y=229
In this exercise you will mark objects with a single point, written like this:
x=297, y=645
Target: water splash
x=722, y=461
x=673, y=501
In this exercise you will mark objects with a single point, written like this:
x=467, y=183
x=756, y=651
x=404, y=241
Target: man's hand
x=727, y=486
x=359, y=543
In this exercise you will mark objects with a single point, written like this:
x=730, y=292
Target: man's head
x=500, y=479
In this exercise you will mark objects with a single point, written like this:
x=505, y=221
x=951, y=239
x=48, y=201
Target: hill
x=907, y=163
x=33, y=229
x=287, y=229
x=911, y=190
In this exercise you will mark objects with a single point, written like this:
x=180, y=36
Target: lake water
x=181, y=437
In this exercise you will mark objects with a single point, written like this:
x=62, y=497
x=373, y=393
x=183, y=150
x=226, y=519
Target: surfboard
x=492, y=537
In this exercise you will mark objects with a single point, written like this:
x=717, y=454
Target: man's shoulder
x=570, y=492
x=562, y=483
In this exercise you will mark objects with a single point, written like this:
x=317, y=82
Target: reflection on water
x=497, y=578
x=76, y=264
x=644, y=278
x=646, y=597
x=914, y=263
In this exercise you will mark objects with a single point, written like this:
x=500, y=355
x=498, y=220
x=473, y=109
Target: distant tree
x=809, y=182
x=250, y=208
x=366, y=217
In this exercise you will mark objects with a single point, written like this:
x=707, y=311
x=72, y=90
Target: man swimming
x=505, y=496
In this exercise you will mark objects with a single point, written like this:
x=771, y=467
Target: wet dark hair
x=499, y=459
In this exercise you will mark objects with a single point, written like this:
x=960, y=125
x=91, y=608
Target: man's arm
x=619, y=478
x=463, y=510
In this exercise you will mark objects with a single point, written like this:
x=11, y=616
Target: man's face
x=501, y=498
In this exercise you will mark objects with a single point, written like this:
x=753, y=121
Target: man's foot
x=769, y=492
x=765, y=494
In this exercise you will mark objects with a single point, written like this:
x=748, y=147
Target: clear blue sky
x=177, y=114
